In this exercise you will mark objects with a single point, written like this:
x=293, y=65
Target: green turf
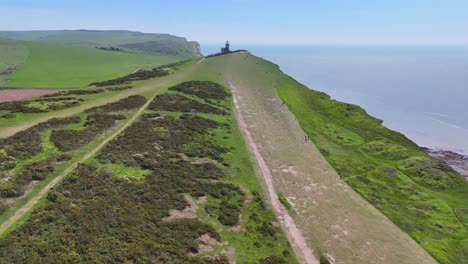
x=57, y=66
x=421, y=195
x=12, y=55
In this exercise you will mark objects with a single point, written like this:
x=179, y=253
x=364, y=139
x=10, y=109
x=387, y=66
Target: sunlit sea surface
x=419, y=91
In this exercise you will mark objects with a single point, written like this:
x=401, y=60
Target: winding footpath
x=299, y=243
x=26, y=208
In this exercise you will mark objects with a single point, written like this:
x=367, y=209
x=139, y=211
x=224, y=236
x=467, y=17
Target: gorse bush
x=97, y=121
x=36, y=171
x=202, y=89
x=141, y=75
x=128, y=103
x=180, y=103
x=27, y=143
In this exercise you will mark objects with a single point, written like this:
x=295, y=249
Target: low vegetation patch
x=66, y=140
x=180, y=103
x=430, y=172
x=97, y=121
x=14, y=186
x=141, y=75
x=40, y=105
x=385, y=149
x=131, y=102
x=202, y=89
x=27, y=143
x=284, y=201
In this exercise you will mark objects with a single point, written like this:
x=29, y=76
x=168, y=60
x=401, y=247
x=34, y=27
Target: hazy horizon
x=400, y=22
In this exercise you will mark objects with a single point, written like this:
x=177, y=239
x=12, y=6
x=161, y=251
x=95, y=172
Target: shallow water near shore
x=419, y=91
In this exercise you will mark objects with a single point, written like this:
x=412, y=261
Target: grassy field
x=162, y=44
x=57, y=66
x=12, y=55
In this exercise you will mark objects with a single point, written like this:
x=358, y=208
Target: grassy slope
x=421, y=196
x=12, y=55
x=54, y=66
x=335, y=219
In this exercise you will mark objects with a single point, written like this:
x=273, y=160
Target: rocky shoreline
x=457, y=161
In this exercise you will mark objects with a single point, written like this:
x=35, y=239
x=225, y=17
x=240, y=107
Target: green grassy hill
x=58, y=66
x=68, y=59
x=423, y=196
x=132, y=41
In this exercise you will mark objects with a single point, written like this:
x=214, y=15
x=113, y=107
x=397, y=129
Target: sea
x=420, y=91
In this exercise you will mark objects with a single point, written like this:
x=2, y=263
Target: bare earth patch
x=208, y=244
x=9, y=95
x=188, y=212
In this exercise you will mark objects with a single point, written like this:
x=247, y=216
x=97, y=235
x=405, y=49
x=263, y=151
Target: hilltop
x=76, y=58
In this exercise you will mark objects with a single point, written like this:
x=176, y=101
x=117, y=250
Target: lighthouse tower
x=226, y=49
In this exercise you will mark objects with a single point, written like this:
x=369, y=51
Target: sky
x=389, y=22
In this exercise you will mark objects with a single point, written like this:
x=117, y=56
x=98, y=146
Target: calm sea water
x=419, y=91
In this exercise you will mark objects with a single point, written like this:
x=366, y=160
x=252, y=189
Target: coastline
x=455, y=160
x=371, y=77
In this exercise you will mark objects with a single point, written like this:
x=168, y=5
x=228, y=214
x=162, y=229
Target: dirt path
x=200, y=61
x=299, y=243
x=9, y=95
x=23, y=210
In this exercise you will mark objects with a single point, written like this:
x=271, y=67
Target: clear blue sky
x=255, y=21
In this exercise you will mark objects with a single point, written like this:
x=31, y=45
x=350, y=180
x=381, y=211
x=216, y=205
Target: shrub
x=27, y=143
x=202, y=89
x=228, y=213
x=273, y=260
x=131, y=102
x=180, y=103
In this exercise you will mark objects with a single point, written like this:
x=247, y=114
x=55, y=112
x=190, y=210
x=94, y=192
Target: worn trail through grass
x=303, y=251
